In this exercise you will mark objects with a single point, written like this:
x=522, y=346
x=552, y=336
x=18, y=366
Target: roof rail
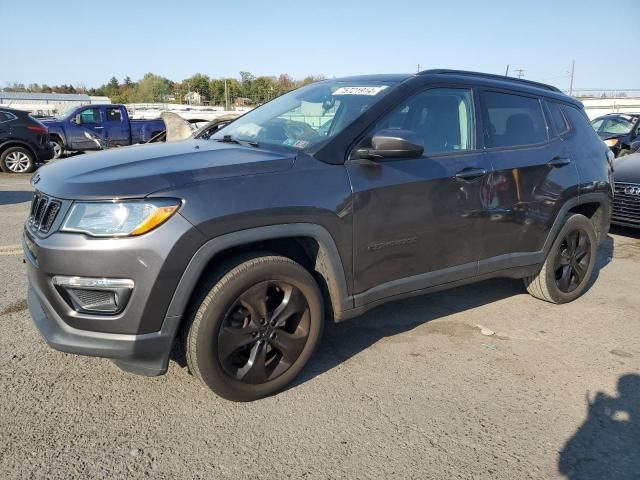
x=442, y=71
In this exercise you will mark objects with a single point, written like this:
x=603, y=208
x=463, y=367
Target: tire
x=17, y=160
x=58, y=149
x=231, y=335
x=567, y=270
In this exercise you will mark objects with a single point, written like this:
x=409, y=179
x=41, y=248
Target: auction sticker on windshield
x=359, y=90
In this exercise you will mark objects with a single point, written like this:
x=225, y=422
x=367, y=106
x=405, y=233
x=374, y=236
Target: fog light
x=95, y=295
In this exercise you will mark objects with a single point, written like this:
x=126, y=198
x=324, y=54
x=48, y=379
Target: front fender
x=328, y=257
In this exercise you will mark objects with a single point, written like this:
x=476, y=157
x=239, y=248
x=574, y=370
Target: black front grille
x=44, y=211
x=626, y=203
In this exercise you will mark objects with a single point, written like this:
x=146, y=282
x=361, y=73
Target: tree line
x=154, y=88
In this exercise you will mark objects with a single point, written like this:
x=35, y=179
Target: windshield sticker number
x=359, y=90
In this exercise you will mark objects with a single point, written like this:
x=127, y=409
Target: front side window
x=442, y=117
x=305, y=118
x=514, y=120
x=90, y=115
x=113, y=115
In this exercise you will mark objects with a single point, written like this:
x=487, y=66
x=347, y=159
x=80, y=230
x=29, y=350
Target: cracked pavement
x=481, y=382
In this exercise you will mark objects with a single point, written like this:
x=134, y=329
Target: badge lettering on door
x=393, y=243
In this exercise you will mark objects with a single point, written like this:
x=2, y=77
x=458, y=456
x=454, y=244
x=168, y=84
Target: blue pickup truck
x=92, y=127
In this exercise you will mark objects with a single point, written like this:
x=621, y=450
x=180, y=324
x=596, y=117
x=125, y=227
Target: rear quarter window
x=6, y=116
x=558, y=122
x=514, y=120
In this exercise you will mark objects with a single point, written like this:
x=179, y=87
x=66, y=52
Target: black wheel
x=17, y=160
x=256, y=328
x=58, y=148
x=566, y=272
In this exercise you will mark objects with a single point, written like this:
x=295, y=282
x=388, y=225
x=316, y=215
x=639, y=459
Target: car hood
x=139, y=170
x=627, y=168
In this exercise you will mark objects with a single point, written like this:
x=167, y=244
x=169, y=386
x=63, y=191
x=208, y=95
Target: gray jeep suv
x=320, y=204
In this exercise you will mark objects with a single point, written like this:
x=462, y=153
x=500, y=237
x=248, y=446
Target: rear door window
x=514, y=120
x=114, y=115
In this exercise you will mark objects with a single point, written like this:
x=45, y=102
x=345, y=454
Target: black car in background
x=24, y=141
x=626, y=202
x=618, y=131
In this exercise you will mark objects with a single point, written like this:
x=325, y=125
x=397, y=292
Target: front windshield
x=66, y=114
x=616, y=125
x=306, y=117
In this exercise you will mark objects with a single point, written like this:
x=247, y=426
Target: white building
x=47, y=104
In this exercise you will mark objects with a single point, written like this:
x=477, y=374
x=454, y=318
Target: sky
x=88, y=42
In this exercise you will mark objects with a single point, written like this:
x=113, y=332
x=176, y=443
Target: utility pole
x=226, y=96
x=506, y=74
x=519, y=72
x=573, y=66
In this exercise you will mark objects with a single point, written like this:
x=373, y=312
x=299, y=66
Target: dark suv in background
x=24, y=141
x=320, y=204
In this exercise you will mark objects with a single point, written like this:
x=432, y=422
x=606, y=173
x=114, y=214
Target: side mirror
x=391, y=143
x=77, y=119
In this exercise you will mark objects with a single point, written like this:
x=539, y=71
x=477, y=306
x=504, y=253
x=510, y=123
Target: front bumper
x=139, y=338
x=146, y=354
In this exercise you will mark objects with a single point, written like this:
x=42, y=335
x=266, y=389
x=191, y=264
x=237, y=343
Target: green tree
x=152, y=88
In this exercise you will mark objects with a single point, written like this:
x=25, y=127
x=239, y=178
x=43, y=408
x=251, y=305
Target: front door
x=88, y=123
x=417, y=222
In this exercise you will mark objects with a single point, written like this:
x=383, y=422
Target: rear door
x=417, y=221
x=116, y=126
x=532, y=174
x=5, y=123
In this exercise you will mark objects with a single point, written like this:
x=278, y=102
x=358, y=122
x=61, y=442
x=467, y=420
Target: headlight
x=612, y=142
x=118, y=218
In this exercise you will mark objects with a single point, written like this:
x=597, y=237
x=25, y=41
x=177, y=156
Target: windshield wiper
x=227, y=139
x=230, y=139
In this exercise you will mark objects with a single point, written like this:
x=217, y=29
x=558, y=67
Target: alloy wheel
x=572, y=260
x=264, y=332
x=17, y=162
x=57, y=150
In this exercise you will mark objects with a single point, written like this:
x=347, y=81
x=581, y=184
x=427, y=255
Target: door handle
x=470, y=173
x=98, y=128
x=559, y=161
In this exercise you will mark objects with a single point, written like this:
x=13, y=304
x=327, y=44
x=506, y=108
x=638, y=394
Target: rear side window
x=558, y=121
x=113, y=115
x=514, y=120
x=578, y=118
x=6, y=116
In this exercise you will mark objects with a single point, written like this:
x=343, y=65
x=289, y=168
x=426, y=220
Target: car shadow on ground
x=13, y=197
x=607, y=444
x=341, y=341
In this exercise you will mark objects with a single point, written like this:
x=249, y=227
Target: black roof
x=487, y=79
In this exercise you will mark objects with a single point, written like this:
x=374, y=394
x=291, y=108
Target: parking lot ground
x=481, y=382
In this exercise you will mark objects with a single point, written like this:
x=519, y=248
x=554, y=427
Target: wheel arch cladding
x=308, y=244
